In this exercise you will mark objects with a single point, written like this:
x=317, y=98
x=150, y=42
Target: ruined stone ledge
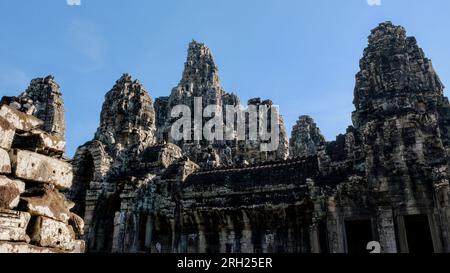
x=24, y=248
x=5, y=162
x=247, y=199
x=47, y=232
x=10, y=191
x=19, y=120
x=47, y=202
x=7, y=132
x=13, y=225
x=40, y=142
x=224, y=191
x=41, y=169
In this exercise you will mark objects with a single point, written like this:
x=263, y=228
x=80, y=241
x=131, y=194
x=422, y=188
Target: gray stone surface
x=10, y=191
x=127, y=118
x=6, y=134
x=41, y=169
x=41, y=142
x=201, y=79
x=5, y=162
x=19, y=120
x=13, y=225
x=47, y=232
x=48, y=202
x=43, y=100
x=306, y=138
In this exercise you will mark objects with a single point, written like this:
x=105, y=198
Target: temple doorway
x=359, y=233
x=418, y=234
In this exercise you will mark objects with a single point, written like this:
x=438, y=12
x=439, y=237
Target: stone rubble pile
x=35, y=216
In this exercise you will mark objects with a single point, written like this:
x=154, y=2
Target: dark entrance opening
x=103, y=223
x=229, y=248
x=83, y=176
x=142, y=235
x=418, y=234
x=359, y=234
x=323, y=237
x=213, y=241
x=257, y=241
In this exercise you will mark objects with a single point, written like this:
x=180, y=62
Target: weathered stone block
x=42, y=169
x=5, y=162
x=77, y=223
x=7, y=132
x=24, y=248
x=13, y=225
x=47, y=232
x=47, y=202
x=19, y=120
x=40, y=141
x=79, y=247
x=10, y=191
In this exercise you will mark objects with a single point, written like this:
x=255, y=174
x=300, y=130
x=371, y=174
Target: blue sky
x=302, y=54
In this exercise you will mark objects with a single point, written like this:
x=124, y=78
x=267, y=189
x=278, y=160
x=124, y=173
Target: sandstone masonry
x=35, y=216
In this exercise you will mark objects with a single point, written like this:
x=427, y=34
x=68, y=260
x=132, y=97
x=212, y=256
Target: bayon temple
x=133, y=188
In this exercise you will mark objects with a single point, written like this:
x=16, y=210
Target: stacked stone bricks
x=34, y=213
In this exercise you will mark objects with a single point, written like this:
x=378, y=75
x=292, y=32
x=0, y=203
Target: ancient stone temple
x=35, y=215
x=200, y=79
x=384, y=181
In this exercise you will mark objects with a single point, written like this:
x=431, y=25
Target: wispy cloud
x=374, y=2
x=86, y=41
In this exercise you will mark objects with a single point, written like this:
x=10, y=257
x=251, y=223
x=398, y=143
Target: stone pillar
x=148, y=232
x=335, y=226
x=269, y=243
x=174, y=236
x=314, y=238
x=386, y=230
x=92, y=196
x=201, y=232
x=442, y=194
x=223, y=240
x=119, y=230
x=402, y=239
x=436, y=235
x=246, y=241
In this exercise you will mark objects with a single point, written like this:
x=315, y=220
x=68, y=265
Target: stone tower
x=45, y=95
x=127, y=119
x=306, y=138
x=200, y=79
x=402, y=114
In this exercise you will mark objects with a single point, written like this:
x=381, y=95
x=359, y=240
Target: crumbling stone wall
x=35, y=215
